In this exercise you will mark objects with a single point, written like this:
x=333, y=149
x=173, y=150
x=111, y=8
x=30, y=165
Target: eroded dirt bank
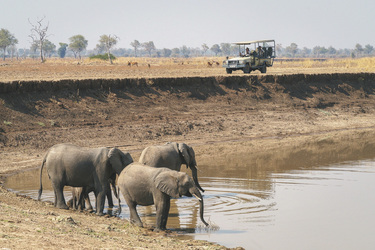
x=205, y=112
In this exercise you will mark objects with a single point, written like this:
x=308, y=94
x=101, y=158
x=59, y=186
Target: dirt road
x=206, y=112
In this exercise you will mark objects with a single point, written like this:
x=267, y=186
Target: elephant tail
x=119, y=201
x=41, y=174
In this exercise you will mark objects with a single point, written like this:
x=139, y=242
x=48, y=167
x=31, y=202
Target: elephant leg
x=134, y=217
x=162, y=212
x=88, y=203
x=59, y=196
x=80, y=196
x=75, y=201
x=70, y=203
x=109, y=196
x=165, y=213
x=100, y=199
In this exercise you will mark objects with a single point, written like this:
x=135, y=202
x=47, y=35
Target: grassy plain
x=69, y=68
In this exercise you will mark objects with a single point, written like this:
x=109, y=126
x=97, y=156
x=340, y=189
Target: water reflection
x=295, y=194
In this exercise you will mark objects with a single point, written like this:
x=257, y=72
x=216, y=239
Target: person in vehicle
x=260, y=51
x=247, y=51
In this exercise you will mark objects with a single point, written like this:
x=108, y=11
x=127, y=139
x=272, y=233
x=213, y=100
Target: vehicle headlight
x=241, y=62
x=225, y=62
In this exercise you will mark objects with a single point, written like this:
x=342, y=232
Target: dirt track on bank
x=205, y=112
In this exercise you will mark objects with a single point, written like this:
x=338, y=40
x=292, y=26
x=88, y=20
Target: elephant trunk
x=198, y=195
x=195, y=176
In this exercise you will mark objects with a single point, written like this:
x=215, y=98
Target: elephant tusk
x=198, y=169
x=196, y=196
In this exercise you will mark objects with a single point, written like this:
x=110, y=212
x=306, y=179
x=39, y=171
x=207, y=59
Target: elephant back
x=166, y=156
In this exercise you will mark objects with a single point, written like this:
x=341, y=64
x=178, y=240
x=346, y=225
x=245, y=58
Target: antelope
x=130, y=63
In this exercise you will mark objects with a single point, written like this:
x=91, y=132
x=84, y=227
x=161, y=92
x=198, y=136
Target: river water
x=317, y=195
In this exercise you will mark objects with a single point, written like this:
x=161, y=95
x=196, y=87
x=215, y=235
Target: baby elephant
x=80, y=195
x=145, y=185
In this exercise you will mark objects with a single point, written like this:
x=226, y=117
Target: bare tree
x=39, y=35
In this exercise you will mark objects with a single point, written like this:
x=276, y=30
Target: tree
x=167, y=52
x=216, y=49
x=149, y=47
x=318, y=51
x=6, y=39
x=205, y=48
x=175, y=52
x=279, y=49
x=39, y=35
x=331, y=51
x=23, y=53
x=100, y=48
x=185, y=51
x=62, y=50
x=226, y=48
x=108, y=42
x=12, y=49
x=368, y=49
x=77, y=44
x=48, y=48
x=135, y=44
x=358, y=49
x=306, y=52
x=292, y=49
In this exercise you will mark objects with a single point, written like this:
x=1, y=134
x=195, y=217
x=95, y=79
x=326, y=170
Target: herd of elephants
x=153, y=180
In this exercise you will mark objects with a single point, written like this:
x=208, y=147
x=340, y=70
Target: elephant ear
x=167, y=182
x=183, y=149
x=118, y=159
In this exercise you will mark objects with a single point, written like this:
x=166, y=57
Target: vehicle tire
x=229, y=71
x=247, y=69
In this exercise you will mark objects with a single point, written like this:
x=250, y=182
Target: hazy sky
x=174, y=23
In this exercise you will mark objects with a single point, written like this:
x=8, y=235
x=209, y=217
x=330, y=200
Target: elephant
x=144, y=185
x=171, y=155
x=71, y=165
x=80, y=195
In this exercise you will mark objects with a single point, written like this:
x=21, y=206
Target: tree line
x=42, y=48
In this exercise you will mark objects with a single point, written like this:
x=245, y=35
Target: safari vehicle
x=253, y=55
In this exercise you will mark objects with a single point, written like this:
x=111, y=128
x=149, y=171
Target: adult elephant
x=145, y=185
x=171, y=155
x=70, y=165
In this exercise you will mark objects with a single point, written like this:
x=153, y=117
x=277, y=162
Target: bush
x=103, y=57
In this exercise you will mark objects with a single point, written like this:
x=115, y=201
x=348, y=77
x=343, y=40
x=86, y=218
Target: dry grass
x=142, y=61
x=364, y=64
x=71, y=68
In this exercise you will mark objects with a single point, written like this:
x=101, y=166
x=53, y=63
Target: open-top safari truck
x=253, y=55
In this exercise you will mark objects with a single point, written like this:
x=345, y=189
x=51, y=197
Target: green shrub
x=102, y=57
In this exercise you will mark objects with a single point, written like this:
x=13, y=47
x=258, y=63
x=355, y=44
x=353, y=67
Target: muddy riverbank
x=205, y=112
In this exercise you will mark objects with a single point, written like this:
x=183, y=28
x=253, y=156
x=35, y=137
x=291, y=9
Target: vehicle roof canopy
x=251, y=42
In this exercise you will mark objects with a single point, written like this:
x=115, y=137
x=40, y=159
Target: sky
x=174, y=23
